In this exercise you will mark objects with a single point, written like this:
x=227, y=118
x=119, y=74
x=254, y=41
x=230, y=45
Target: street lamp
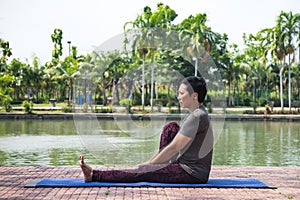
x=254, y=93
x=69, y=42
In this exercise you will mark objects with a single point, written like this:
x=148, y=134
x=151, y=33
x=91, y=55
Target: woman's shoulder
x=199, y=112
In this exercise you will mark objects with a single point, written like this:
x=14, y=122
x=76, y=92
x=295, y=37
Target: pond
x=60, y=142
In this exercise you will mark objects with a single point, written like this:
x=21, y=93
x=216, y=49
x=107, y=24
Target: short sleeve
x=190, y=126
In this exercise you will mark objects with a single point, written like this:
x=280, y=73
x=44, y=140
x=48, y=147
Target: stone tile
x=286, y=179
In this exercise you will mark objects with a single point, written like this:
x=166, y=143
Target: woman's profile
x=185, y=152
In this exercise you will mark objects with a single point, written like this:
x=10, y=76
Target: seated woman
x=185, y=153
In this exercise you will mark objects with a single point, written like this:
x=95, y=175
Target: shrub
x=286, y=112
x=252, y=112
x=67, y=109
x=85, y=107
x=262, y=101
x=106, y=109
x=126, y=103
x=6, y=102
x=247, y=101
x=137, y=99
x=209, y=107
x=28, y=106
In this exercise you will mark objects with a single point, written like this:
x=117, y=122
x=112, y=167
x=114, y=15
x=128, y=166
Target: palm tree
x=141, y=45
x=68, y=71
x=287, y=27
x=143, y=52
x=103, y=69
x=269, y=37
x=253, y=63
x=15, y=70
x=225, y=62
x=147, y=23
x=36, y=73
x=198, y=39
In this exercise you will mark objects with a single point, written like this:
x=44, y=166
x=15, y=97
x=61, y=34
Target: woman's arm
x=179, y=142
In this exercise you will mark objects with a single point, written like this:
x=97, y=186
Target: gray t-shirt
x=196, y=157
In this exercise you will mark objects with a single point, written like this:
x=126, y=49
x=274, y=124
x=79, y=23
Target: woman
x=185, y=152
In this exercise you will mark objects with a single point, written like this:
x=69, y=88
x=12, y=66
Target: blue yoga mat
x=212, y=183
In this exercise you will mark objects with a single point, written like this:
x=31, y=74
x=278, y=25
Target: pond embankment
x=154, y=116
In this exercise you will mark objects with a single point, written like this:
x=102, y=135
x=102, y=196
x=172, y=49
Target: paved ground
x=286, y=179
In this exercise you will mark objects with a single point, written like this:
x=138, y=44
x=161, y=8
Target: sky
x=28, y=24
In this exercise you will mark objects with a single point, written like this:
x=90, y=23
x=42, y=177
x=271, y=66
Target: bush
x=296, y=104
x=99, y=101
x=85, y=107
x=28, y=106
x=252, y=112
x=126, y=103
x=67, y=109
x=262, y=101
x=6, y=102
x=209, y=107
x=246, y=101
x=174, y=111
x=286, y=112
x=137, y=99
x=107, y=109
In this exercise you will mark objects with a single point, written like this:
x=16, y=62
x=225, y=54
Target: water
x=56, y=142
x=259, y=144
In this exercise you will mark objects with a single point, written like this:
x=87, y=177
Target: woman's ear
x=195, y=96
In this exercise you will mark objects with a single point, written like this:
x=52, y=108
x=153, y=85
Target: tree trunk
x=152, y=80
x=104, y=95
x=143, y=83
x=37, y=93
x=290, y=106
x=281, y=85
x=70, y=92
x=229, y=96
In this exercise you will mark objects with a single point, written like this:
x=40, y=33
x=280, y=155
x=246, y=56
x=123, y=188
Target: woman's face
x=184, y=98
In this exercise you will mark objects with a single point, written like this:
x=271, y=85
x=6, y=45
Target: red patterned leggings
x=165, y=173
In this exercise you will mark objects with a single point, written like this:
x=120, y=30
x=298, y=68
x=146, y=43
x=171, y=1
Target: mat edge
x=33, y=184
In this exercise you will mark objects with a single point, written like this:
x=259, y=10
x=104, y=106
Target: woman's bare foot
x=87, y=170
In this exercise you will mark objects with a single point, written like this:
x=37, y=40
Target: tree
x=6, y=52
x=38, y=73
x=148, y=22
x=198, y=38
x=6, y=90
x=287, y=28
x=50, y=71
x=224, y=63
x=281, y=41
x=67, y=71
x=56, y=38
x=104, y=68
x=15, y=69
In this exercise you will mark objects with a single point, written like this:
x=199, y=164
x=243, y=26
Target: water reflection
x=53, y=142
x=259, y=143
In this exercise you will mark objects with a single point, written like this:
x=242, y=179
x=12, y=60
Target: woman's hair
x=196, y=84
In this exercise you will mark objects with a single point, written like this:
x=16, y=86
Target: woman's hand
x=179, y=143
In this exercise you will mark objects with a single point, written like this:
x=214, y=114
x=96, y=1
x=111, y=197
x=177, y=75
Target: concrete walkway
x=286, y=179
